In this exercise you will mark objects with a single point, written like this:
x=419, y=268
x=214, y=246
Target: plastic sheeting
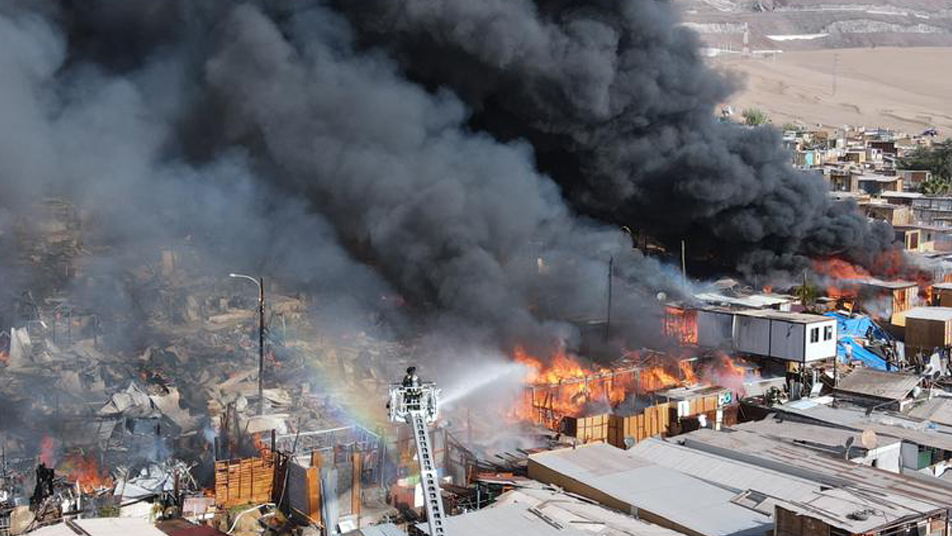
x=850, y=330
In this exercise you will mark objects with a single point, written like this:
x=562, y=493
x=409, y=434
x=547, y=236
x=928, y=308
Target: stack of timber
x=245, y=481
x=587, y=429
x=652, y=422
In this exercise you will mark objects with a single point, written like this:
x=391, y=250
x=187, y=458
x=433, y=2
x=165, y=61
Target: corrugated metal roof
x=734, y=474
x=937, y=410
x=388, y=529
x=853, y=512
x=893, y=425
x=810, y=433
x=891, y=285
x=546, y=512
x=942, y=314
x=785, y=316
x=106, y=526
x=684, y=500
x=909, y=492
x=878, y=383
x=753, y=300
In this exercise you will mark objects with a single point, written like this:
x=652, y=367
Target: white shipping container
x=790, y=336
x=783, y=335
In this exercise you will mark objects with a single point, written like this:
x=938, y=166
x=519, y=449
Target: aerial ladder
x=416, y=403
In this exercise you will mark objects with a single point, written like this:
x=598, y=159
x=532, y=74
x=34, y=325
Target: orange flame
x=565, y=386
x=845, y=277
x=263, y=448
x=681, y=325
x=687, y=371
x=84, y=470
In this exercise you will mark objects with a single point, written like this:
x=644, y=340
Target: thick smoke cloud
x=361, y=149
x=620, y=108
x=269, y=139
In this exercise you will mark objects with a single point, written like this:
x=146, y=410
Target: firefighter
x=411, y=385
x=411, y=379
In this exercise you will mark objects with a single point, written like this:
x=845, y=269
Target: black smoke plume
x=356, y=149
x=620, y=110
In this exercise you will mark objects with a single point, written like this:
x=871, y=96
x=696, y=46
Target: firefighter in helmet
x=411, y=385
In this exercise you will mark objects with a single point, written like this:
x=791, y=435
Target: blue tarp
x=859, y=327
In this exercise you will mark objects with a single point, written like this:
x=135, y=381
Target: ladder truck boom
x=416, y=403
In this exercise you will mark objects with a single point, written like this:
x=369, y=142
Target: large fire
x=565, y=385
x=844, y=278
x=681, y=325
x=84, y=471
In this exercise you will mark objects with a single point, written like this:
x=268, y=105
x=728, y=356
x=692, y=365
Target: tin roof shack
x=798, y=337
x=762, y=479
x=932, y=210
x=926, y=446
x=909, y=237
x=900, y=198
x=867, y=448
x=899, y=502
x=838, y=513
x=885, y=300
x=892, y=214
x=877, y=184
x=877, y=388
x=928, y=328
x=913, y=178
x=924, y=238
x=942, y=294
x=659, y=495
x=937, y=410
x=538, y=510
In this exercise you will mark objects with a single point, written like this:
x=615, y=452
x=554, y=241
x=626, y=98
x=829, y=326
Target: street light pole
x=260, y=282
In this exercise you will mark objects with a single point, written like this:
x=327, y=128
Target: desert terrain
x=906, y=88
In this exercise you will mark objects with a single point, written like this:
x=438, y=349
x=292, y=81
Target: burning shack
x=887, y=300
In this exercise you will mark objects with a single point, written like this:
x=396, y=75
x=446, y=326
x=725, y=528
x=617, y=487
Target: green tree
x=937, y=186
x=808, y=294
x=754, y=117
x=937, y=159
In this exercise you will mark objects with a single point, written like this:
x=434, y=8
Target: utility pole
x=608, y=316
x=260, y=282
x=684, y=268
x=260, y=346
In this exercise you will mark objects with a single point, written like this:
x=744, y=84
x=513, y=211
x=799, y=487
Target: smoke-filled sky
x=476, y=158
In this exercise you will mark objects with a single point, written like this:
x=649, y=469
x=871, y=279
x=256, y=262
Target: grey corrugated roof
x=388, y=529
x=892, y=285
x=734, y=474
x=684, y=500
x=806, y=463
x=937, y=410
x=810, y=433
x=103, y=526
x=785, y=316
x=942, y=314
x=877, y=383
x=884, y=424
x=547, y=512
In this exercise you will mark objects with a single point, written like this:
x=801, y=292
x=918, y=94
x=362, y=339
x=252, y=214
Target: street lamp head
x=232, y=275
